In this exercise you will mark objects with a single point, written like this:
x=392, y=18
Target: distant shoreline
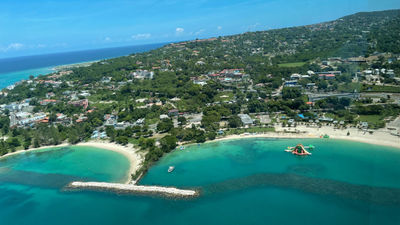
x=20, y=68
x=74, y=65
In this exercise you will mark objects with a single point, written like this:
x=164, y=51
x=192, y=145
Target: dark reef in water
x=49, y=180
x=376, y=195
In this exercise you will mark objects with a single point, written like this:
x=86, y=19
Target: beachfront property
x=122, y=125
x=246, y=119
x=26, y=119
x=99, y=135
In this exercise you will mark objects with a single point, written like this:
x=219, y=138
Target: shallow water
x=248, y=181
x=10, y=78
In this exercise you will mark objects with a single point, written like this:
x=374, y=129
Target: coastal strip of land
x=131, y=188
x=377, y=137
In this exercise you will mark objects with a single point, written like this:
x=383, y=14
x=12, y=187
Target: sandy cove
x=135, y=158
x=132, y=154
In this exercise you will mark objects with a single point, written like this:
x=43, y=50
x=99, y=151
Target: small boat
x=182, y=147
x=171, y=168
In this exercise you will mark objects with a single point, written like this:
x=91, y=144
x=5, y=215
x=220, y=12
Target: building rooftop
x=246, y=119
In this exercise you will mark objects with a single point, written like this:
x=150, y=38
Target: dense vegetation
x=267, y=56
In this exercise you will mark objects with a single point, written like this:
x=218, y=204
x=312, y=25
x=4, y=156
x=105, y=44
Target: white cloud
x=200, y=31
x=12, y=46
x=179, y=30
x=219, y=28
x=141, y=36
x=107, y=39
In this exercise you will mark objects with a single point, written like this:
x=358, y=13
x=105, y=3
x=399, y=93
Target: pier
x=132, y=188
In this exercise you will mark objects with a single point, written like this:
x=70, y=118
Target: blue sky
x=43, y=26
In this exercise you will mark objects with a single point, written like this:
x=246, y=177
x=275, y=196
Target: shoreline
x=75, y=65
x=379, y=137
x=34, y=150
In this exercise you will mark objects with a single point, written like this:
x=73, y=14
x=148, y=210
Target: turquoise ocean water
x=20, y=68
x=248, y=181
x=9, y=78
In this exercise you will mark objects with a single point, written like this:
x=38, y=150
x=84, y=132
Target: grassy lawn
x=374, y=121
x=151, y=121
x=335, y=117
x=370, y=118
x=295, y=64
x=376, y=88
x=350, y=87
x=133, y=141
x=250, y=130
x=224, y=96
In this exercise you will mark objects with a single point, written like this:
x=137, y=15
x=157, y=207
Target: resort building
x=246, y=119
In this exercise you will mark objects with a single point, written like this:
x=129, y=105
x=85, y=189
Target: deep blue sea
x=19, y=68
x=248, y=181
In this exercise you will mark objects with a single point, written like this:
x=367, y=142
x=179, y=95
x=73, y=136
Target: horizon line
x=179, y=41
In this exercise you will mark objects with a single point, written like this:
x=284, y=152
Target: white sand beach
x=378, y=137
